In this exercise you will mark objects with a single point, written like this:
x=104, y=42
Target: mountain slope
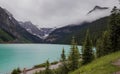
x=63, y=35
x=33, y=29
x=101, y=65
x=5, y=37
x=11, y=26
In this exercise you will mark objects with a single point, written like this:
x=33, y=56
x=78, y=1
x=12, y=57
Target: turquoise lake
x=27, y=55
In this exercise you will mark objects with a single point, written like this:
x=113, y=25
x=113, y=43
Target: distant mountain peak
x=97, y=8
x=33, y=29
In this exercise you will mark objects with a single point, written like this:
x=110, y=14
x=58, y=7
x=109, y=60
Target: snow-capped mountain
x=14, y=33
x=97, y=15
x=33, y=29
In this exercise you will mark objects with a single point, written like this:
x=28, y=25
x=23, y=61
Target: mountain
x=46, y=31
x=64, y=35
x=11, y=31
x=97, y=8
x=16, y=32
x=39, y=32
x=31, y=28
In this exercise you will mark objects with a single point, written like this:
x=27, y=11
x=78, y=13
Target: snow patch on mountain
x=33, y=29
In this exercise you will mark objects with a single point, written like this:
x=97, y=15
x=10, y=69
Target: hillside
x=34, y=30
x=101, y=65
x=63, y=35
x=5, y=37
x=11, y=31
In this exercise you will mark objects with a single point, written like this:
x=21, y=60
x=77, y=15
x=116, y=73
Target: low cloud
x=52, y=13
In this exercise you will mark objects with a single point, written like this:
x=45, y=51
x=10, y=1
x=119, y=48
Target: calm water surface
x=27, y=55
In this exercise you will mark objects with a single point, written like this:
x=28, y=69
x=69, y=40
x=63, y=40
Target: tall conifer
x=74, y=55
x=47, y=69
x=114, y=29
x=87, y=54
x=63, y=57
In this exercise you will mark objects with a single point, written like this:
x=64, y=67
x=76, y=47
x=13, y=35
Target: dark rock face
x=39, y=32
x=11, y=25
x=5, y=22
x=31, y=28
x=98, y=8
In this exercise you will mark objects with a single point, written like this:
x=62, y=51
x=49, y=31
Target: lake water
x=27, y=55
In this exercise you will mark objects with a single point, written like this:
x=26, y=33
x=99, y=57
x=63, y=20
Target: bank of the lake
x=28, y=55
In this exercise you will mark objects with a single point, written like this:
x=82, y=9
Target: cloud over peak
x=51, y=13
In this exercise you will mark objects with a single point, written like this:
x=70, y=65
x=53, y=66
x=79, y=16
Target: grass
x=101, y=65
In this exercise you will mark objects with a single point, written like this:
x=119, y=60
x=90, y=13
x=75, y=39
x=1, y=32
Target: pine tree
x=114, y=29
x=99, y=48
x=63, y=57
x=74, y=56
x=63, y=69
x=103, y=43
x=18, y=69
x=87, y=54
x=47, y=69
x=15, y=72
x=110, y=40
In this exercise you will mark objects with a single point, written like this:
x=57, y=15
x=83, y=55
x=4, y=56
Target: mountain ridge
x=19, y=30
x=64, y=35
x=97, y=8
x=33, y=29
x=10, y=25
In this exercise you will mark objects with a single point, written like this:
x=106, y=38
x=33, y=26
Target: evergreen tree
x=99, y=48
x=63, y=57
x=63, y=69
x=103, y=43
x=18, y=69
x=47, y=69
x=74, y=56
x=110, y=40
x=15, y=71
x=114, y=29
x=87, y=54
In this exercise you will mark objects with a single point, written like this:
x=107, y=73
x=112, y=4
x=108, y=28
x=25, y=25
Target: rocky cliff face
x=10, y=25
x=7, y=22
x=33, y=29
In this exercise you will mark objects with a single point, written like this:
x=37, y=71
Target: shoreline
x=33, y=70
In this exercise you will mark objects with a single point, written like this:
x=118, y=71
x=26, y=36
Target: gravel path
x=32, y=71
x=117, y=63
x=117, y=72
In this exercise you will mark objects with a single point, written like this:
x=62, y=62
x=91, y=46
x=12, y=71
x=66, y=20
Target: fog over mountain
x=52, y=13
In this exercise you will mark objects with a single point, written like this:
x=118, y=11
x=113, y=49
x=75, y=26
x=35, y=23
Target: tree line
x=73, y=61
x=108, y=43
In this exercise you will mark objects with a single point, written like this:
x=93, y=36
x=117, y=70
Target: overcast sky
x=51, y=13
